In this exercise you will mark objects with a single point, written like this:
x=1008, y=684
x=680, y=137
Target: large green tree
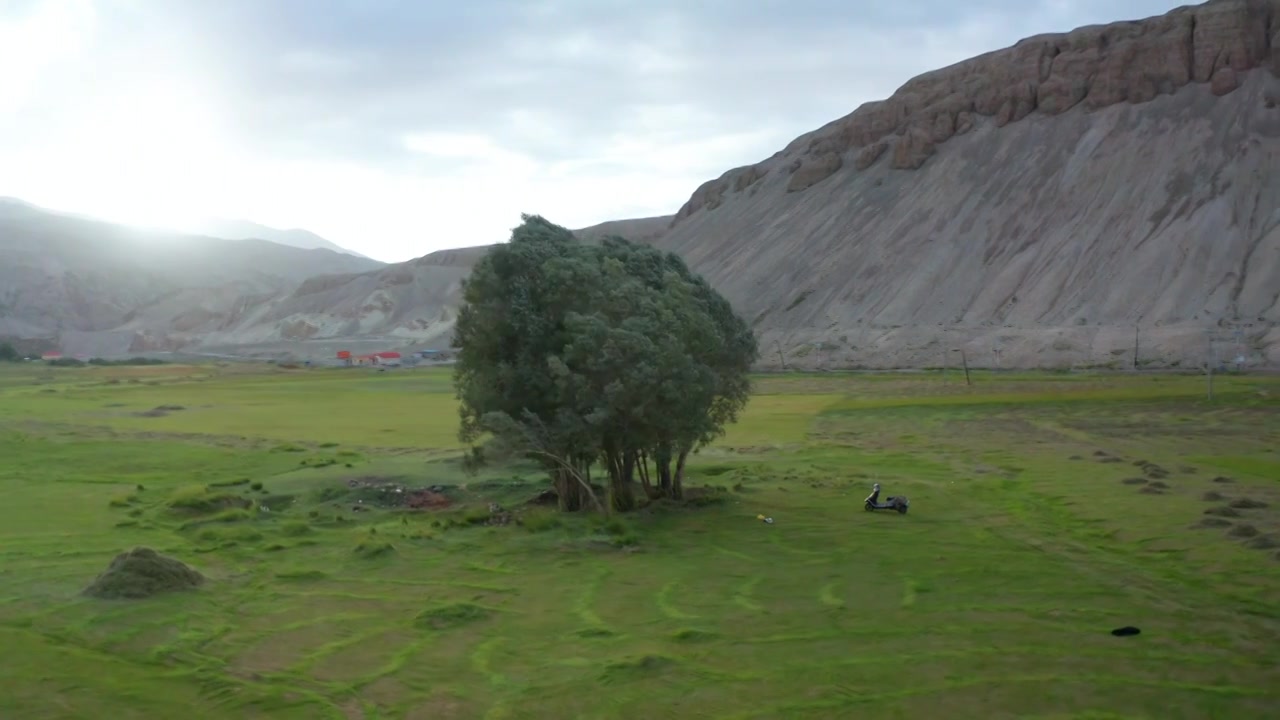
x=612, y=356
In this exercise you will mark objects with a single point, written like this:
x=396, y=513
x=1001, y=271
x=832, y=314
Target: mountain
x=245, y=230
x=1046, y=204
x=1031, y=206
x=108, y=287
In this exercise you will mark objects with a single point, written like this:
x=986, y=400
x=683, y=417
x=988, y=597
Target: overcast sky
x=399, y=127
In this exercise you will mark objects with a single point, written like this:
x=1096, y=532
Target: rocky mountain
x=1046, y=204
x=1036, y=205
x=73, y=278
x=245, y=230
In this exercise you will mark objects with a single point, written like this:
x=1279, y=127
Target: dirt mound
x=1223, y=512
x=1212, y=496
x=1222, y=479
x=1243, y=531
x=1264, y=542
x=1151, y=490
x=1134, y=481
x=1212, y=523
x=141, y=573
x=1248, y=504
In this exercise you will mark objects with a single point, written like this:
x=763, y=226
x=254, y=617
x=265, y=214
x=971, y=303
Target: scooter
x=893, y=502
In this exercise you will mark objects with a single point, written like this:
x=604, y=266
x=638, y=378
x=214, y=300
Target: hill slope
x=245, y=230
x=1033, y=203
x=79, y=278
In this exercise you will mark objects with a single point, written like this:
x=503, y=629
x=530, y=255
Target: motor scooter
x=893, y=502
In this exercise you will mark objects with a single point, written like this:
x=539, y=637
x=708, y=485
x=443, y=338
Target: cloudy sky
x=399, y=127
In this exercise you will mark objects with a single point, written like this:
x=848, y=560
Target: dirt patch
x=1212, y=522
x=142, y=573
x=442, y=617
x=1103, y=456
x=1223, y=512
x=1151, y=490
x=1134, y=481
x=1158, y=484
x=1212, y=496
x=1187, y=470
x=1151, y=469
x=1264, y=542
x=546, y=498
x=160, y=411
x=1247, y=504
x=1243, y=531
x=1223, y=479
x=387, y=493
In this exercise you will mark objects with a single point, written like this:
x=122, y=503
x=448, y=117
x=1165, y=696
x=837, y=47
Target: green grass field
x=993, y=598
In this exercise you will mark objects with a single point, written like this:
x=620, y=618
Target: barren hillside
x=105, y=289
x=1042, y=205
x=1030, y=206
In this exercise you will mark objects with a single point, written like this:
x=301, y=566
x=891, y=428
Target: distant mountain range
x=1039, y=205
x=246, y=230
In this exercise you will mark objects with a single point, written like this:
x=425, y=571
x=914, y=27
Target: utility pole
x=965, y=361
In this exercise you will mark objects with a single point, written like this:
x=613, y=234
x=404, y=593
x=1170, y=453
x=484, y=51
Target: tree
x=8, y=353
x=608, y=356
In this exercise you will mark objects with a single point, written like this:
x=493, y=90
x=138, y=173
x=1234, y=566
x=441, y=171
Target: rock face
x=1097, y=67
x=1037, y=203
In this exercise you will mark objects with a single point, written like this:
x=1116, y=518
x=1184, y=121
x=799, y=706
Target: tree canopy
x=612, y=356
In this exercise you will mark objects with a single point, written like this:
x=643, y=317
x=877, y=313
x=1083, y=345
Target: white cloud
x=437, y=127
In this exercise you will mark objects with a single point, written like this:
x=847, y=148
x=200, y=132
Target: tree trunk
x=663, y=461
x=621, y=496
x=645, y=484
x=677, y=485
x=569, y=491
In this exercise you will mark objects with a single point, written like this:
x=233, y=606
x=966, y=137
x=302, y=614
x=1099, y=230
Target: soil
x=1223, y=512
x=1134, y=481
x=1212, y=496
x=1223, y=479
x=386, y=493
x=1243, y=531
x=1264, y=542
x=1212, y=522
x=1151, y=490
x=1248, y=504
x=142, y=573
x=1158, y=484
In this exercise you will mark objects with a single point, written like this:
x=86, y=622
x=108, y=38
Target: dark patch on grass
x=1158, y=484
x=230, y=483
x=1247, y=504
x=691, y=635
x=199, y=500
x=636, y=668
x=295, y=528
x=1212, y=522
x=142, y=573
x=1134, y=481
x=373, y=548
x=1243, y=531
x=595, y=632
x=1149, y=490
x=1212, y=496
x=443, y=617
x=302, y=575
x=1223, y=479
x=1223, y=512
x=276, y=503
x=1264, y=542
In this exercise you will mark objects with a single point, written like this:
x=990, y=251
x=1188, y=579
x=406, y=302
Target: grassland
x=993, y=598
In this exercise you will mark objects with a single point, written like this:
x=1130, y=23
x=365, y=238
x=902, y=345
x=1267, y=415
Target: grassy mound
x=141, y=573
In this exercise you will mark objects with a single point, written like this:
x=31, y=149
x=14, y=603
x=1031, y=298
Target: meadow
x=1046, y=510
